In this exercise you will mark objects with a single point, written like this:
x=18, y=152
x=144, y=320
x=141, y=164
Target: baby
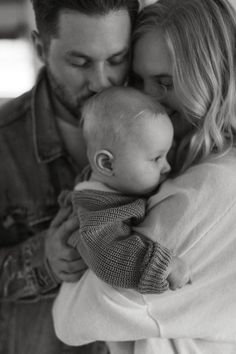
x=128, y=136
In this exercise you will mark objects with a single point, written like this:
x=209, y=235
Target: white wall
x=233, y=2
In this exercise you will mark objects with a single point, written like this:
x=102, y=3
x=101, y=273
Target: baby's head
x=128, y=136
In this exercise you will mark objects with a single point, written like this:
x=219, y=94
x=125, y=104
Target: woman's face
x=152, y=73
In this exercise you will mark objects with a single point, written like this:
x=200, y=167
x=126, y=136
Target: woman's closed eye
x=164, y=81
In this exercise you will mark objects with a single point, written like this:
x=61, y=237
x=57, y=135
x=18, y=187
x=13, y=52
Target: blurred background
x=18, y=62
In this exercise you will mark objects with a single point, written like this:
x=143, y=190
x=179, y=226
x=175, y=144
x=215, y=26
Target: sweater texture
x=104, y=241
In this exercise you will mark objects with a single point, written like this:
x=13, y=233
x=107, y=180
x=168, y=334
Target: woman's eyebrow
x=163, y=75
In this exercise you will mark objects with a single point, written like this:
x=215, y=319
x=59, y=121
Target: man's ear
x=38, y=45
x=103, y=160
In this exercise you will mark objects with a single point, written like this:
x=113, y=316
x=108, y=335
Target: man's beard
x=62, y=94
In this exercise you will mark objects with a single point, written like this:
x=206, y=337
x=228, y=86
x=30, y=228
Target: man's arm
x=24, y=273
x=35, y=267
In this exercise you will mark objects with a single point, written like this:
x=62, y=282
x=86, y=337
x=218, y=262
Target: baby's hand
x=179, y=274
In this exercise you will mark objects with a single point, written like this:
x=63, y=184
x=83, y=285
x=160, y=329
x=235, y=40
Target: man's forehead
x=93, y=34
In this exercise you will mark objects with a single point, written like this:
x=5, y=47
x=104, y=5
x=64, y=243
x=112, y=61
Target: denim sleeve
x=24, y=272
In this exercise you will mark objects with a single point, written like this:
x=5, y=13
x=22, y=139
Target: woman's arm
x=194, y=214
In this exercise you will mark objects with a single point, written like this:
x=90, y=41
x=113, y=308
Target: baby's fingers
x=179, y=275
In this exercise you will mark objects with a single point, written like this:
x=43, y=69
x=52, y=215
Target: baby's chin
x=143, y=193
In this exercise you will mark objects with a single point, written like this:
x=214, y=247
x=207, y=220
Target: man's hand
x=64, y=261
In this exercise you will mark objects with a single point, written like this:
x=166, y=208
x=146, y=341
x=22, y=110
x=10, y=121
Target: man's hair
x=109, y=117
x=47, y=11
x=201, y=37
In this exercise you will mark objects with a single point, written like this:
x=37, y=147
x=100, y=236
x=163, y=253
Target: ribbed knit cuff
x=154, y=277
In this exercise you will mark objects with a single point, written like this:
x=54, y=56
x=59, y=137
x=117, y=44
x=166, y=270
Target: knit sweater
x=104, y=241
x=194, y=215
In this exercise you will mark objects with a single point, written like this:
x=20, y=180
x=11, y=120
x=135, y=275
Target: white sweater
x=195, y=215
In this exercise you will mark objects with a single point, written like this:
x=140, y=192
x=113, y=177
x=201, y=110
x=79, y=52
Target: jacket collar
x=47, y=141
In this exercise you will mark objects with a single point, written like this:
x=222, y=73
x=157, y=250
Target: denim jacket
x=34, y=168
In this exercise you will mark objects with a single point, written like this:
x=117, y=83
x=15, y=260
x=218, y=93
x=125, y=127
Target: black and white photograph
x=117, y=176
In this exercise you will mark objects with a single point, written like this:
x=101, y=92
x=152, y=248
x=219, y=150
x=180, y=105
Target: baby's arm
x=114, y=254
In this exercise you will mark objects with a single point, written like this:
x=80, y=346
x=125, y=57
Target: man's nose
x=99, y=79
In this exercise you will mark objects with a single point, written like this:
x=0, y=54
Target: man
x=84, y=46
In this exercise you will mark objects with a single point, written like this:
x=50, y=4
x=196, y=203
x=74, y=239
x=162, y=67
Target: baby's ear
x=103, y=160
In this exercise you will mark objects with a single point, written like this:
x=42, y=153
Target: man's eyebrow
x=75, y=53
x=123, y=51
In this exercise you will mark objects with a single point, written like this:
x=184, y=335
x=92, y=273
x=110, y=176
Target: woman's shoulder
x=216, y=170
x=217, y=174
x=193, y=203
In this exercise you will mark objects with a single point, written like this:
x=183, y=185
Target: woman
x=184, y=53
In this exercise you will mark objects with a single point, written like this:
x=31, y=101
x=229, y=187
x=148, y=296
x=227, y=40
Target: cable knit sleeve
x=107, y=245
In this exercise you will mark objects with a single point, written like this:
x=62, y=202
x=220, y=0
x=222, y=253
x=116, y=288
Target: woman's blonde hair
x=201, y=36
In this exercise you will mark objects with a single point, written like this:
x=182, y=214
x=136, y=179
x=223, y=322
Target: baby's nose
x=166, y=167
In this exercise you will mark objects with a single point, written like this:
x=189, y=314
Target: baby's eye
x=157, y=158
